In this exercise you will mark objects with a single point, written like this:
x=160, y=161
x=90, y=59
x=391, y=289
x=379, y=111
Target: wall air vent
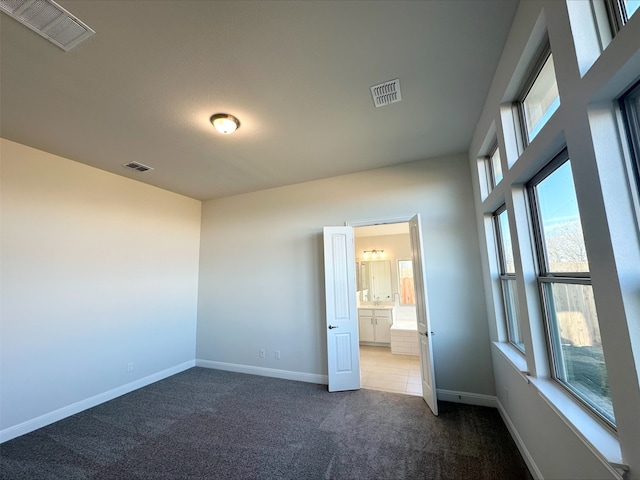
x=49, y=20
x=386, y=93
x=138, y=167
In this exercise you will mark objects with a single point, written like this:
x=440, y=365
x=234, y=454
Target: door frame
x=422, y=291
x=379, y=221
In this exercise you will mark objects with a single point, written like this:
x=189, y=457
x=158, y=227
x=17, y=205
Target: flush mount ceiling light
x=225, y=123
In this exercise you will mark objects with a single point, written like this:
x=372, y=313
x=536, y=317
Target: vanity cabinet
x=374, y=325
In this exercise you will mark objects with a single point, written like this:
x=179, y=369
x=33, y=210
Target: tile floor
x=381, y=370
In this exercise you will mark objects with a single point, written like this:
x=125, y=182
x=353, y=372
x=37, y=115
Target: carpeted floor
x=210, y=424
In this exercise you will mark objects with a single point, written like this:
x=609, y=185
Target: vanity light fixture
x=373, y=253
x=225, y=123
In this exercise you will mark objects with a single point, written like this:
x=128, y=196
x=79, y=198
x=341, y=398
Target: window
x=540, y=98
x=495, y=167
x=508, y=277
x=492, y=168
x=621, y=11
x=630, y=104
x=405, y=278
x=571, y=320
x=631, y=7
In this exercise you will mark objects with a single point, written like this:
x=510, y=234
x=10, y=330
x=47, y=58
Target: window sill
x=599, y=439
x=515, y=357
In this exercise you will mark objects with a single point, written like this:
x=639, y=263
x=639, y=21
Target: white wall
x=98, y=271
x=551, y=445
x=563, y=445
x=261, y=269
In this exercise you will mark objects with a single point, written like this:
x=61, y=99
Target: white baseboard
x=466, y=397
x=265, y=372
x=528, y=459
x=444, y=395
x=64, y=412
x=491, y=401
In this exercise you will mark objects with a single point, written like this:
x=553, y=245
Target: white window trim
x=543, y=54
x=599, y=439
x=502, y=275
x=515, y=356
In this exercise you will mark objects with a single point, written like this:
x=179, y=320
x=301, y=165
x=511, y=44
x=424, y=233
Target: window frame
x=543, y=54
x=618, y=16
x=489, y=172
x=558, y=160
x=492, y=173
x=631, y=115
x=545, y=278
x=505, y=276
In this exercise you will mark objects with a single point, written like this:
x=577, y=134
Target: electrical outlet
x=130, y=367
x=262, y=353
x=277, y=354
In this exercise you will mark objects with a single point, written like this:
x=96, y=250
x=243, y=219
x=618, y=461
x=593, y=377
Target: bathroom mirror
x=374, y=281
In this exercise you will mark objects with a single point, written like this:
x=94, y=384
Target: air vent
x=138, y=167
x=49, y=20
x=386, y=93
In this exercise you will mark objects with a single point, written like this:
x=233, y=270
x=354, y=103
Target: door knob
x=427, y=334
x=332, y=326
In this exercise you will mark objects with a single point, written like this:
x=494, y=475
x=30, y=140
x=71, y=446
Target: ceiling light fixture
x=225, y=123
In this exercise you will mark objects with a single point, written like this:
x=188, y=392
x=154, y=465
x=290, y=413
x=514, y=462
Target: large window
x=565, y=285
x=508, y=277
x=540, y=97
x=630, y=103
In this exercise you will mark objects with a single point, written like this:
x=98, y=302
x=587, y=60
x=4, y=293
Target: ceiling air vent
x=49, y=20
x=138, y=167
x=386, y=93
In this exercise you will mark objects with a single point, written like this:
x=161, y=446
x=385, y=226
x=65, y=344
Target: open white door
x=424, y=328
x=342, y=315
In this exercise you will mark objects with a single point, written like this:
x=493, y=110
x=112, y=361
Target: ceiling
x=297, y=75
x=401, y=228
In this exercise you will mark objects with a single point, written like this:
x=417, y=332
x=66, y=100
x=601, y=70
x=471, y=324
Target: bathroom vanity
x=374, y=325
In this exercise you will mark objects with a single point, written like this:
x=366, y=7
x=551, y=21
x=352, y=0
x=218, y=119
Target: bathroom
x=389, y=347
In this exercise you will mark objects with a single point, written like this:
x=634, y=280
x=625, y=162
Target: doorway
x=343, y=322
x=386, y=309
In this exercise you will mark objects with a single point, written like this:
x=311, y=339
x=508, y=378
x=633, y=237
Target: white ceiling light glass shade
x=225, y=123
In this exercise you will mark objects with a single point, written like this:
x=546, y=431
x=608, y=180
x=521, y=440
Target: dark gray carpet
x=210, y=424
